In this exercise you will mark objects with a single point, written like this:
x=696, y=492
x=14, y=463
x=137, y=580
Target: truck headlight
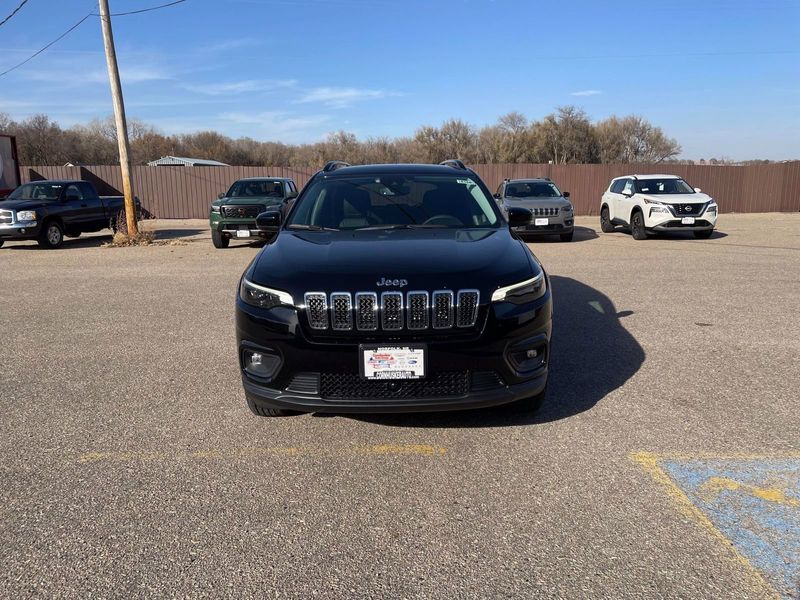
x=26, y=215
x=214, y=208
x=263, y=297
x=524, y=291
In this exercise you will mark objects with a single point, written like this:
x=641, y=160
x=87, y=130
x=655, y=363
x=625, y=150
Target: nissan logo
x=687, y=208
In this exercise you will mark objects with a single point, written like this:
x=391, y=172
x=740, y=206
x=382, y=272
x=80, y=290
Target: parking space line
x=255, y=452
x=749, y=501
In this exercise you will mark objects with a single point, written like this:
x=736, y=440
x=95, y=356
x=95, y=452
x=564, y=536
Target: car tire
x=567, y=237
x=51, y=236
x=638, y=230
x=261, y=411
x=606, y=226
x=219, y=240
x=2, y=242
x=703, y=235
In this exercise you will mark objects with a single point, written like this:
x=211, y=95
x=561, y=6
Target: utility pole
x=119, y=117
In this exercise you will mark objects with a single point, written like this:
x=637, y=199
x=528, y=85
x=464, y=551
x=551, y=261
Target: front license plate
x=392, y=362
x=241, y=233
x=687, y=220
x=541, y=222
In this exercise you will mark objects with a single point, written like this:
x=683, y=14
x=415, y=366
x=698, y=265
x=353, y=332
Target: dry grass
x=122, y=240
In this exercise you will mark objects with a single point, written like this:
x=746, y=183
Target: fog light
x=525, y=360
x=532, y=353
x=260, y=364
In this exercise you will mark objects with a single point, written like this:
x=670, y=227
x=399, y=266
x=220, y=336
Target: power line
x=13, y=12
x=38, y=52
x=143, y=10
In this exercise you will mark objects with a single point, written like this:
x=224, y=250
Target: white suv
x=655, y=204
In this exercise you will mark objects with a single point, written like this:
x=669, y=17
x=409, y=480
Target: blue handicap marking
x=755, y=503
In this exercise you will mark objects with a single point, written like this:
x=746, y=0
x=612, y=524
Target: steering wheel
x=443, y=220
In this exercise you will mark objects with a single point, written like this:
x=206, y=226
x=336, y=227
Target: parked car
x=657, y=204
x=46, y=211
x=553, y=214
x=393, y=288
x=233, y=214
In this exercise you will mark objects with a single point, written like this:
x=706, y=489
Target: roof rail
x=333, y=165
x=455, y=163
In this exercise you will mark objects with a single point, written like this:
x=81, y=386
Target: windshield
x=265, y=188
x=394, y=201
x=532, y=189
x=37, y=191
x=663, y=186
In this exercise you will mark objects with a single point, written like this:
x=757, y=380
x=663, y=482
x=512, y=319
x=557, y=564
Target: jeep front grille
x=392, y=311
x=545, y=212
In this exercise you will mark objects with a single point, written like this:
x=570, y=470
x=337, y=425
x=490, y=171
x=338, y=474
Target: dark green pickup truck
x=233, y=215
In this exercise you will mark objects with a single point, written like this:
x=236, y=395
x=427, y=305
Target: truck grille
x=687, y=210
x=544, y=212
x=392, y=311
x=6, y=217
x=350, y=386
x=242, y=211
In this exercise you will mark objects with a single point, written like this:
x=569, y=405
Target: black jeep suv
x=393, y=288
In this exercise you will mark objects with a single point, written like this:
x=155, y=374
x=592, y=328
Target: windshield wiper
x=402, y=226
x=305, y=227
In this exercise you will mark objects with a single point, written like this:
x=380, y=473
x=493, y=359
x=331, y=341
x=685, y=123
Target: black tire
x=219, y=240
x=268, y=412
x=51, y=236
x=531, y=404
x=703, y=235
x=637, y=225
x=606, y=226
x=567, y=237
x=2, y=242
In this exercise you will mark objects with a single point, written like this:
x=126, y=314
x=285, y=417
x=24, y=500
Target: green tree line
x=567, y=135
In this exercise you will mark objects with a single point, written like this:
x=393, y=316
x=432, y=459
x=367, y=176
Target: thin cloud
x=276, y=124
x=587, y=93
x=241, y=87
x=342, y=97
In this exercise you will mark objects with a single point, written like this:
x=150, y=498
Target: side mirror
x=497, y=196
x=698, y=190
x=220, y=196
x=518, y=216
x=565, y=194
x=627, y=194
x=269, y=221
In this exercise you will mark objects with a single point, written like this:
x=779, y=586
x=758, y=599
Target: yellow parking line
x=649, y=462
x=232, y=453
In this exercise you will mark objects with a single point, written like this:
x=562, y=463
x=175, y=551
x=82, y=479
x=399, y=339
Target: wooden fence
x=185, y=192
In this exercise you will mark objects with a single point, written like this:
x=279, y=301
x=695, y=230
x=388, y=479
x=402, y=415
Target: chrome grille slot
x=391, y=311
x=317, y=310
x=442, y=309
x=467, y=308
x=341, y=311
x=367, y=311
x=544, y=212
x=6, y=216
x=417, y=309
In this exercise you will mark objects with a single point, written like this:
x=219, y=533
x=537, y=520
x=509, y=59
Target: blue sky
x=722, y=76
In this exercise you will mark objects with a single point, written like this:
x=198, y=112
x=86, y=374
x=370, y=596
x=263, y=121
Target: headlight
x=263, y=297
x=524, y=291
x=712, y=205
x=26, y=215
x=214, y=208
x=648, y=201
x=659, y=208
x=567, y=208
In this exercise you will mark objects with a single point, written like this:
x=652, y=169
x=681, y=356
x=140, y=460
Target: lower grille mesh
x=350, y=386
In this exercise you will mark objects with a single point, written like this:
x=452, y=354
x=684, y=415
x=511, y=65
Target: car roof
x=526, y=179
x=383, y=169
x=57, y=181
x=265, y=178
x=649, y=176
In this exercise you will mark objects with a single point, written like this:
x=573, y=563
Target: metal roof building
x=182, y=161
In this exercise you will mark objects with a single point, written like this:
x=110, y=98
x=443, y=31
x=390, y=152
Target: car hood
x=483, y=259
x=677, y=198
x=537, y=202
x=268, y=201
x=22, y=204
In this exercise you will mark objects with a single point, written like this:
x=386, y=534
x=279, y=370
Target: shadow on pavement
x=592, y=355
x=582, y=234
x=92, y=241
x=173, y=234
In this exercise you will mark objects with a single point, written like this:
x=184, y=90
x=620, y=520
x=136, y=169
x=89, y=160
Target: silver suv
x=553, y=214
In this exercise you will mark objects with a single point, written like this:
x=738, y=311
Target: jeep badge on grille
x=391, y=282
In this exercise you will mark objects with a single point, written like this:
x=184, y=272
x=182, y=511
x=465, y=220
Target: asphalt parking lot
x=665, y=463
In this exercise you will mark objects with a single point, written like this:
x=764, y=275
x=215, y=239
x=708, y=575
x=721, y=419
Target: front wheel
x=703, y=235
x=637, y=226
x=606, y=226
x=567, y=237
x=52, y=236
x=219, y=240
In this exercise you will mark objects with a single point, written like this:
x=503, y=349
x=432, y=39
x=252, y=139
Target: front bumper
x=26, y=230
x=555, y=226
x=316, y=375
x=666, y=222
x=230, y=228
